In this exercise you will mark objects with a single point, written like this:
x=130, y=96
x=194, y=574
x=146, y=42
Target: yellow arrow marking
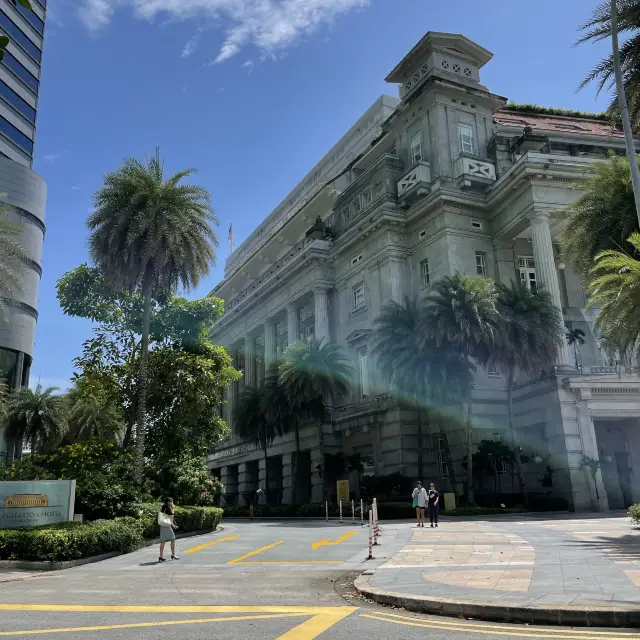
x=209, y=544
x=322, y=543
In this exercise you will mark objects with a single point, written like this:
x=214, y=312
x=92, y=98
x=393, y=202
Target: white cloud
x=248, y=65
x=191, y=45
x=76, y=187
x=52, y=157
x=269, y=25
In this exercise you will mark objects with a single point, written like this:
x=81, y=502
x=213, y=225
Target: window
x=356, y=206
x=356, y=259
x=481, y=263
x=527, y=269
x=21, y=72
x=16, y=136
x=425, y=276
x=358, y=296
x=309, y=332
x=422, y=234
x=366, y=197
x=16, y=101
x=30, y=16
x=466, y=137
x=364, y=371
x=501, y=466
x=346, y=214
x=493, y=371
x=416, y=148
x=477, y=224
x=443, y=468
x=16, y=34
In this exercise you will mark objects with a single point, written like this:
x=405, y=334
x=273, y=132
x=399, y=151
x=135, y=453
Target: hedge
x=71, y=540
x=76, y=540
x=634, y=513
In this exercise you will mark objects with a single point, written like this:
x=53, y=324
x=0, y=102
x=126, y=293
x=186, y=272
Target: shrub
x=634, y=513
x=187, y=518
x=71, y=540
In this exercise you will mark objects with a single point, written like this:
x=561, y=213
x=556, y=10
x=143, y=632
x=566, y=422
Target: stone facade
x=444, y=181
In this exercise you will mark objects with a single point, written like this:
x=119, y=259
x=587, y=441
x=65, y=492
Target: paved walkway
x=562, y=569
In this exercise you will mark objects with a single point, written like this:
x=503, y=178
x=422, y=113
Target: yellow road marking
x=313, y=627
x=255, y=553
x=138, y=625
x=494, y=631
x=136, y=608
x=209, y=544
x=475, y=625
x=322, y=543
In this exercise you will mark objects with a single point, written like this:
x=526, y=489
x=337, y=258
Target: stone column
x=229, y=480
x=321, y=310
x=293, y=324
x=262, y=480
x=505, y=264
x=269, y=344
x=546, y=272
x=396, y=285
x=287, y=480
x=249, y=361
x=245, y=482
x=317, y=478
x=231, y=398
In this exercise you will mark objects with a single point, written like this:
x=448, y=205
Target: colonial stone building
x=443, y=180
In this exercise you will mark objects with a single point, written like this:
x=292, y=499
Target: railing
x=601, y=370
x=365, y=404
x=470, y=167
x=421, y=173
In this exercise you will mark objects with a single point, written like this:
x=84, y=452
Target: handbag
x=415, y=502
x=164, y=520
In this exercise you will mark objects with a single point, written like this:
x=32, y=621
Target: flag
x=231, y=238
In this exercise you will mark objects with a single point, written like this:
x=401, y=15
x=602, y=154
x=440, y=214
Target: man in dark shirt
x=434, y=504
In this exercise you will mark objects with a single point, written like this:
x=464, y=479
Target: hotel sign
x=36, y=502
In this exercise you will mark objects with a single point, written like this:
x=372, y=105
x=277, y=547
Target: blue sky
x=252, y=93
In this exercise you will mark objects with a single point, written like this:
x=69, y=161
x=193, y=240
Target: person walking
x=419, y=496
x=167, y=526
x=434, y=504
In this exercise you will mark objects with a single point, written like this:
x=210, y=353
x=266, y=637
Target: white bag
x=164, y=520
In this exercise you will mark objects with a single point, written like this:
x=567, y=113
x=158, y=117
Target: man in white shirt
x=420, y=498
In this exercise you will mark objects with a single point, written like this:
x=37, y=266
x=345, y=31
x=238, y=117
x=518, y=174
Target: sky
x=252, y=93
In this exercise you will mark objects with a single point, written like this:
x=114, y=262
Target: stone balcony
x=414, y=185
x=474, y=173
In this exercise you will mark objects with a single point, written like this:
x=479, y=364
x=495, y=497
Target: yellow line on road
x=274, y=562
x=495, y=631
x=313, y=627
x=138, y=625
x=502, y=627
x=255, y=553
x=209, y=544
x=131, y=608
x=322, y=543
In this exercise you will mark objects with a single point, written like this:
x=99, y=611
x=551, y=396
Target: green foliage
x=392, y=485
x=91, y=417
x=37, y=415
x=187, y=519
x=553, y=111
x=11, y=253
x=634, y=513
x=602, y=218
x=615, y=290
x=71, y=540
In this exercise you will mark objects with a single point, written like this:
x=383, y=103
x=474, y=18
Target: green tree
x=90, y=418
x=150, y=235
x=37, y=416
x=462, y=312
x=575, y=338
x=527, y=341
x=602, y=218
x=418, y=368
x=615, y=290
x=314, y=374
x=11, y=254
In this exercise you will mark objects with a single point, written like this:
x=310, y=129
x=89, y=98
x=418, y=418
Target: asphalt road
x=264, y=581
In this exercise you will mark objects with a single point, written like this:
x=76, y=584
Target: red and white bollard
x=353, y=512
x=376, y=531
x=361, y=512
x=326, y=509
x=340, y=504
x=370, y=535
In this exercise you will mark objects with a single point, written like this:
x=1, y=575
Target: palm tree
x=602, y=218
x=91, y=418
x=312, y=375
x=150, y=235
x=418, y=369
x=462, y=312
x=37, y=416
x=11, y=253
x=615, y=290
x=575, y=338
x=606, y=21
x=528, y=341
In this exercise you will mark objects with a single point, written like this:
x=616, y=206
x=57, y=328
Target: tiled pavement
x=592, y=562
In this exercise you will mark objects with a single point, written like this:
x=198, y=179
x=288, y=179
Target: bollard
x=340, y=506
x=361, y=512
x=353, y=512
x=326, y=509
x=370, y=534
x=251, y=511
x=374, y=509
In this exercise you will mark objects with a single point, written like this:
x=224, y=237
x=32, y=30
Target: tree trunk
x=624, y=109
x=471, y=498
x=420, y=456
x=141, y=415
x=449, y=460
x=266, y=471
x=295, y=464
x=516, y=448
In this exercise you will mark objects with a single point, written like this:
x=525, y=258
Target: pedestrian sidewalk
x=556, y=570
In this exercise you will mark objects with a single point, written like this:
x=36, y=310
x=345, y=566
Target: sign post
x=343, y=490
x=36, y=502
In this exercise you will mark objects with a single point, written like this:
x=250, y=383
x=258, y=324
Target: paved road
x=265, y=581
